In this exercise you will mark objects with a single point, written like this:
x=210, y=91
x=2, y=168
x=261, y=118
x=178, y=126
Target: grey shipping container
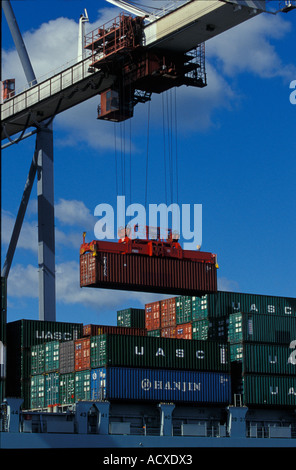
x=67, y=357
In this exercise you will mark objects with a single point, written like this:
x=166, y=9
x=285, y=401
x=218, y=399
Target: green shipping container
x=52, y=382
x=155, y=333
x=82, y=385
x=200, y=329
x=37, y=359
x=226, y=303
x=37, y=391
x=153, y=352
x=131, y=317
x=183, y=309
x=261, y=328
x=262, y=358
x=52, y=356
x=269, y=390
x=67, y=388
x=236, y=352
x=213, y=329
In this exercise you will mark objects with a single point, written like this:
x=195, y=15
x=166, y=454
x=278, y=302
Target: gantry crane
x=137, y=54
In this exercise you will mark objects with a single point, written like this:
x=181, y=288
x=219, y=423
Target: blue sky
x=235, y=145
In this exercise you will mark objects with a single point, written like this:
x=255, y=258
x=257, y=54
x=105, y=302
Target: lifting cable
x=169, y=111
x=147, y=156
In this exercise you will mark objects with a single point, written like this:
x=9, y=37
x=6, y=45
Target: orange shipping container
x=169, y=332
x=94, y=330
x=152, y=316
x=168, y=312
x=82, y=354
x=184, y=331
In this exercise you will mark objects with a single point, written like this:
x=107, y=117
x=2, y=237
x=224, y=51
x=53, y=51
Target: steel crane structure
x=125, y=62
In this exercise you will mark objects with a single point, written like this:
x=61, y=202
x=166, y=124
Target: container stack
x=33, y=355
x=187, y=318
x=130, y=367
x=190, y=350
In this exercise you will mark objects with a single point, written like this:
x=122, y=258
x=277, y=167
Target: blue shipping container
x=160, y=385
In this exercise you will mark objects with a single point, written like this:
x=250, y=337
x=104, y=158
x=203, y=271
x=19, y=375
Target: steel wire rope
x=176, y=146
x=147, y=155
x=164, y=150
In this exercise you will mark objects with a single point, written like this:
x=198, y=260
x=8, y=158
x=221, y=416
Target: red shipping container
x=82, y=354
x=94, y=330
x=168, y=312
x=152, y=316
x=184, y=331
x=147, y=273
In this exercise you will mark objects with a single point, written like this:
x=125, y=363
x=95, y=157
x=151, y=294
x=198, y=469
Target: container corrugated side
x=168, y=313
x=82, y=385
x=272, y=359
x=52, y=386
x=156, y=333
x=160, y=385
x=226, y=303
x=183, y=309
x=131, y=317
x=21, y=335
x=67, y=388
x=213, y=329
x=37, y=391
x=51, y=356
x=184, y=331
x=149, y=352
x=67, y=357
x=26, y=333
x=269, y=390
x=82, y=353
x=93, y=330
x=37, y=359
x=152, y=316
x=261, y=328
x=147, y=274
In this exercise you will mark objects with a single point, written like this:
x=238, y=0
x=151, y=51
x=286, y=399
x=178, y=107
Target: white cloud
x=74, y=213
x=68, y=213
x=225, y=284
x=23, y=282
x=249, y=48
x=28, y=238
